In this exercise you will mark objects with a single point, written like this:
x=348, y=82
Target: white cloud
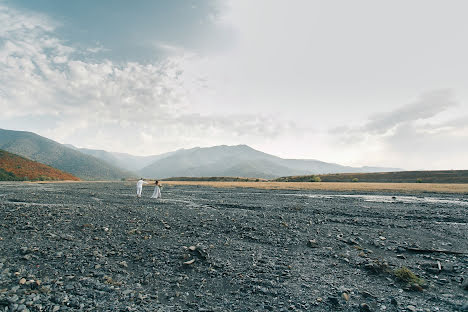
x=144, y=107
x=415, y=135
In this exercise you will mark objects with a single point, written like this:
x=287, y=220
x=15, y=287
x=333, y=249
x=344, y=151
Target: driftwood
x=417, y=250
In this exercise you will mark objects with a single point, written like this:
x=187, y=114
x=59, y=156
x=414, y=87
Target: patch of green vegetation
x=419, y=180
x=355, y=180
x=8, y=176
x=406, y=275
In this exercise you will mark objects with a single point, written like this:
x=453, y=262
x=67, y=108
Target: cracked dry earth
x=95, y=246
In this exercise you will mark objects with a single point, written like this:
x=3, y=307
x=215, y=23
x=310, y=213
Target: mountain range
x=17, y=168
x=59, y=156
x=223, y=160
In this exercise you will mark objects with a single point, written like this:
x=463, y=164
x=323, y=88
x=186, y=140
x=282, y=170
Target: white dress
x=156, y=193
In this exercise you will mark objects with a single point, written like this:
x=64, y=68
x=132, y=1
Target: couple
x=157, y=189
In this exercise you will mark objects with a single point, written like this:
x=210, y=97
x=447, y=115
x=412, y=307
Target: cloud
x=413, y=135
x=425, y=107
x=95, y=102
x=428, y=105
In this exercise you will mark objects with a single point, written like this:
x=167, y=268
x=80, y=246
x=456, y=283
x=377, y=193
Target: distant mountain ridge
x=216, y=161
x=16, y=168
x=56, y=155
x=240, y=161
x=122, y=160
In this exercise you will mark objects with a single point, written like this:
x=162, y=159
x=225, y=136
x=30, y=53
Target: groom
x=140, y=186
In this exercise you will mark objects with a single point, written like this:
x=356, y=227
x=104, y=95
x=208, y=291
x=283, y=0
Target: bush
x=419, y=180
x=316, y=179
x=407, y=276
x=355, y=180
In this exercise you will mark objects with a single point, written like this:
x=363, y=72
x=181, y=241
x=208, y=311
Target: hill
x=436, y=176
x=17, y=168
x=240, y=161
x=122, y=160
x=56, y=155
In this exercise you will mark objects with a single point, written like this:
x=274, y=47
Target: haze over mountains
x=56, y=155
x=223, y=160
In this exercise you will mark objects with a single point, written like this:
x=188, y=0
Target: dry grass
x=335, y=186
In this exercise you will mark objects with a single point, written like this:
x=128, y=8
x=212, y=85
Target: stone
x=365, y=307
x=465, y=285
x=345, y=296
x=464, y=307
x=333, y=300
x=411, y=308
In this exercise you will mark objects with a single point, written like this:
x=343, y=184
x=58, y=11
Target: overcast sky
x=378, y=83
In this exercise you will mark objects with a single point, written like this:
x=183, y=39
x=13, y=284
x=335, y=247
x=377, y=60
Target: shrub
x=419, y=180
x=316, y=179
x=407, y=276
x=355, y=180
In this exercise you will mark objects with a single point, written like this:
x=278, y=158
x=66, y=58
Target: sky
x=359, y=83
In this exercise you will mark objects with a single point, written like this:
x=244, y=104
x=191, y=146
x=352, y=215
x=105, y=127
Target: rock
x=365, y=307
x=13, y=298
x=411, y=308
x=367, y=294
x=312, y=243
x=123, y=264
x=394, y=301
x=345, y=296
x=189, y=262
x=464, y=307
x=465, y=285
x=416, y=287
x=333, y=300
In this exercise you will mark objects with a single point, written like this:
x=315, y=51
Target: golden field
x=335, y=186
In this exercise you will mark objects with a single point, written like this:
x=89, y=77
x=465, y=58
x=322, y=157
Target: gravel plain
x=95, y=246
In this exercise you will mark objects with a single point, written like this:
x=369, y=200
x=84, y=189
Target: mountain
x=122, y=160
x=46, y=151
x=14, y=168
x=239, y=160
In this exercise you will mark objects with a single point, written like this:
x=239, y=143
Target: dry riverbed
x=95, y=246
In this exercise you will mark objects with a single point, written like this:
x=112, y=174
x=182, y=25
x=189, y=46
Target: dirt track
x=95, y=246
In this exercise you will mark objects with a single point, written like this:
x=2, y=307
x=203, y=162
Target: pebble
x=345, y=296
x=13, y=298
x=411, y=308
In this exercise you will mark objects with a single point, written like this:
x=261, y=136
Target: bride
x=157, y=190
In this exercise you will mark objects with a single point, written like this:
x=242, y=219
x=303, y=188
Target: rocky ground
x=95, y=246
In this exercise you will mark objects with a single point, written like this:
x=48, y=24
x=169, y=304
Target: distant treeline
x=440, y=176
x=218, y=179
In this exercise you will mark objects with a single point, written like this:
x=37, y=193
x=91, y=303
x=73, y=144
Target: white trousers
x=139, y=189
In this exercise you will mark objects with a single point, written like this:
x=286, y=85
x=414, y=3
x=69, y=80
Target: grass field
x=335, y=186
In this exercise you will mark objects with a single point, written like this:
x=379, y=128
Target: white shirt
x=140, y=183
